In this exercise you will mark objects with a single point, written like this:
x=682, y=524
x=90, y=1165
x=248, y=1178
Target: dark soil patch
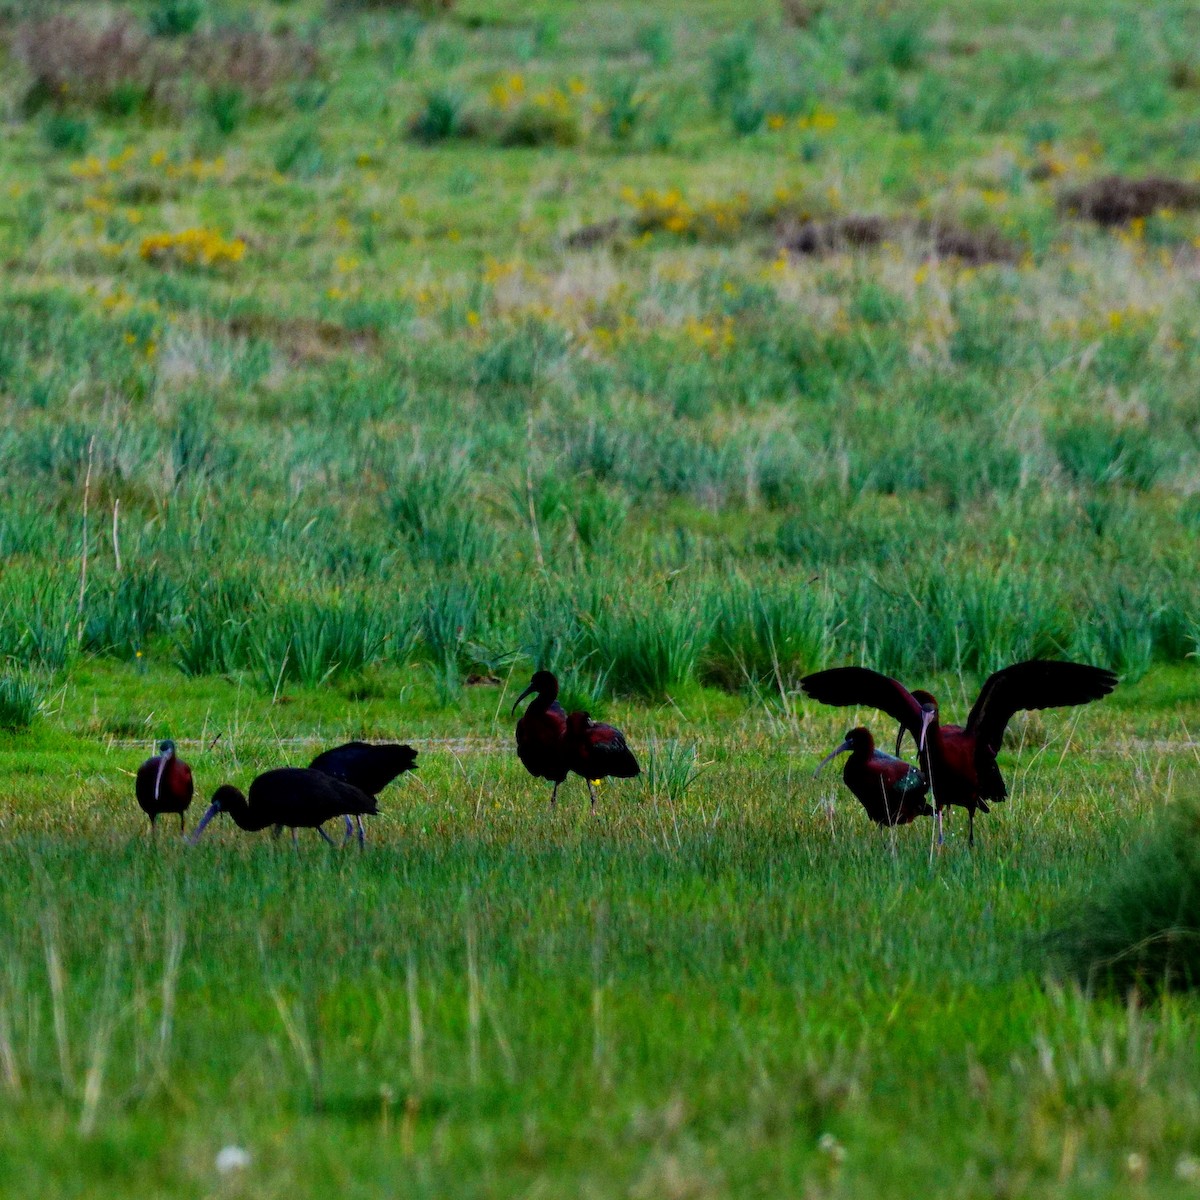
x=941, y=238
x=587, y=237
x=304, y=339
x=1115, y=200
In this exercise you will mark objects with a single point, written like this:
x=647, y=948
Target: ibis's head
x=857, y=741
x=166, y=752
x=543, y=683
x=222, y=798
x=929, y=714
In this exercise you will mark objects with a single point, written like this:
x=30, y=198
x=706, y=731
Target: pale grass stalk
x=473, y=1004
x=9, y=1070
x=172, y=958
x=93, y=1083
x=83, y=556
x=512, y=666
x=416, y=1030
x=302, y=1044
x=599, y=923
x=58, y=1005
x=279, y=678
x=529, y=498
x=116, y=534
x=891, y=823
x=506, y=1053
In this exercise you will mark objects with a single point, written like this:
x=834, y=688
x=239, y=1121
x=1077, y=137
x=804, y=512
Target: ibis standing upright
x=552, y=745
x=596, y=751
x=542, y=732
x=960, y=761
x=164, y=784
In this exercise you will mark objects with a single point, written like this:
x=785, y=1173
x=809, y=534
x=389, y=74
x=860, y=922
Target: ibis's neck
x=242, y=815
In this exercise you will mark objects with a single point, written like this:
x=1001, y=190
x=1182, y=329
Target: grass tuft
x=20, y=701
x=1139, y=929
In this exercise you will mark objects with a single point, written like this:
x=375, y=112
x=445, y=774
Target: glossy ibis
x=596, y=751
x=164, y=784
x=542, y=732
x=891, y=790
x=960, y=761
x=366, y=767
x=297, y=797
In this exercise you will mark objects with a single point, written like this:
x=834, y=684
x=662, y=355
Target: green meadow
x=359, y=358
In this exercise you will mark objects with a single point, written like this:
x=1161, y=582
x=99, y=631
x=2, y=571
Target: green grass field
x=356, y=359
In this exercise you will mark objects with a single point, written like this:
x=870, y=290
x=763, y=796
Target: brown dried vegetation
x=1115, y=200
x=73, y=62
x=942, y=239
x=304, y=340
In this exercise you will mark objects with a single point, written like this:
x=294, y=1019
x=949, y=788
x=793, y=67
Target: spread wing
x=860, y=687
x=1037, y=683
x=369, y=768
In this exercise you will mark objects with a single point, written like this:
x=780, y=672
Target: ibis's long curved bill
x=927, y=716
x=527, y=692
x=162, y=766
x=832, y=754
x=213, y=809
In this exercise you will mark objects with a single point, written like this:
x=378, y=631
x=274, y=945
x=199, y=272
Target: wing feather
x=369, y=768
x=1034, y=684
x=852, y=687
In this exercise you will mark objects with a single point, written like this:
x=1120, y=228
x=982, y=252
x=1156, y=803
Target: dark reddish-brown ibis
x=596, y=751
x=891, y=790
x=164, y=784
x=960, y=760
x=368, y=768
x=295, y=797
x=542, y=732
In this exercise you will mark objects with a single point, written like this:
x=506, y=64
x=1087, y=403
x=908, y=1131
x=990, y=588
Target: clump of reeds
x=1139, y=929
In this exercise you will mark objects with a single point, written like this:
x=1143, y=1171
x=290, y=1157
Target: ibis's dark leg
x=592, y=793
x=153, y=827
x=971, y=828
x=349, y=828
x=295, y=837
x=277, y=832
x=321, y=831
x=181, y=826
x=553, y=796
x=362, y=833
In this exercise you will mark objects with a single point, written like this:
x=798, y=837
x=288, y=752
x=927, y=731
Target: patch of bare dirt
x=304, y=339
x=587, y=237
x=1116, y=200
x=942, y=239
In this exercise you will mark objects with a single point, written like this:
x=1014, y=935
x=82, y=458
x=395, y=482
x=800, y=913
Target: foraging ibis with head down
x=366, y=767
x=296, y=797
x=596, y=751
x=891, y=790
x=542, y=732
x=960, y=761
x=164, y=784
